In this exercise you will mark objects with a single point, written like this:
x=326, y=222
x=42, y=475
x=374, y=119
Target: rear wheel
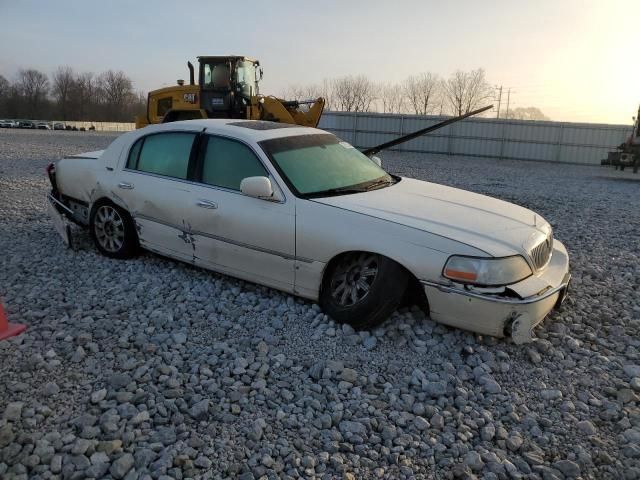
x=362, y=289
x=113, y=231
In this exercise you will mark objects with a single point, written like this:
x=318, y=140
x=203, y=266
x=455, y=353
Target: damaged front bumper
x=58, y=212
x=528, y=302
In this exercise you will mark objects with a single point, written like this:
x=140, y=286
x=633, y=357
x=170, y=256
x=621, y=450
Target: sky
x=576, y=60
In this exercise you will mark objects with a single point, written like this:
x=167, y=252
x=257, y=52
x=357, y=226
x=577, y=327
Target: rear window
x=163, y=154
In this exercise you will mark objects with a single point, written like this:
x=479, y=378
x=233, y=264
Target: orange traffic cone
x=9, y=329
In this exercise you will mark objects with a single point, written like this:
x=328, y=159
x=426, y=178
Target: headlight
x=486, y=271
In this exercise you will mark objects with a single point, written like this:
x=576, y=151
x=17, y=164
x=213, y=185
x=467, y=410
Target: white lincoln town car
x=299, y=210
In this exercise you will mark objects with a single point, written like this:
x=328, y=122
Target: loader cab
x=227, y=85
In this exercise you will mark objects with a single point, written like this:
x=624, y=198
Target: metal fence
x=482, y=137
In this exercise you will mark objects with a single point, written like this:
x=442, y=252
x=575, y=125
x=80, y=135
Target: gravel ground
x=150, y=368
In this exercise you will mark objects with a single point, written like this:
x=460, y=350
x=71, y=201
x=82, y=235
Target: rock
x=56, y=464
x=626, y=395
x=179, y=338
x=586, y=427
x=349, y=375
x=388, y=432
x=99, y=395
x=370, y=343
x=99, y=457
x=203, y=462
x=98, y=470
x=437, y=421
x=635, y=384
x=308, y=461
x=143, y=457
x=568, y=468
x=6, y=435
x=550, y=395
x=435, y=389
x=121, y=466
x=534, y=356
x=200, y=411
x=120, y=380
x=352, y=427
x=316, y=370
x=347, y=329
x=421, y=423
x=140, y=417
x=109, y=446
x=514, y=442
x=631, y=370
x=50, y=389
x=79, y=355
x=13, y=411
x=474, y=461
x=491, y=386
x=488, y=432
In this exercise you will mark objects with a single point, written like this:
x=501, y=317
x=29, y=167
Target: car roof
x=247, y=130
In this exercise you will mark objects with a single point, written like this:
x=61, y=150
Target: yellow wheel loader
x=227, y=88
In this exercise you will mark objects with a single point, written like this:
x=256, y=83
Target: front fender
x=324, y=232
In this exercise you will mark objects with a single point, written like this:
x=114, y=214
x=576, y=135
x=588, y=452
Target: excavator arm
x=305, y=113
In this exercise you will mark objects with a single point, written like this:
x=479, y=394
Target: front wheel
x=362, y=289
x=113, y=231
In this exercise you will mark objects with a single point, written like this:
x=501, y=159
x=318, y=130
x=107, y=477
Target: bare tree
x=466, y=91
x=353, y=94
x=526, y=113
x=85, y=94
x=391, y=98
x=4, y=87
x=116, y=91
x=62, y=89
x=33, y=86
x=423, y=92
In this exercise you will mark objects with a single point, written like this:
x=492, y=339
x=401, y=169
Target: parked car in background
x=7, y=124
x=58, y=126
x=297, y=209
x=43, y=126
x=27, y=124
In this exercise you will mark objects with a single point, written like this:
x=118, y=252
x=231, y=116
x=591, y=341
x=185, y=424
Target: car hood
x=494, y=226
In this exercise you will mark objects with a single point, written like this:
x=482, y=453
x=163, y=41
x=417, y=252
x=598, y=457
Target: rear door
x=244, y=236
x=155, y=189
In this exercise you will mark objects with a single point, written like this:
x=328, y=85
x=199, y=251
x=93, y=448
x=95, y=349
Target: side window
x=227, y=162
x=164, y=154
x=132, y=161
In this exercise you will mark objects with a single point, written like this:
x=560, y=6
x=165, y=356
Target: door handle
x=207, y=204
x=125, y=185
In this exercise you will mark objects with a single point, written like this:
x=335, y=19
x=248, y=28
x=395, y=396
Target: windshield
x=216, y=75
x=322, y=165
x=246, y=77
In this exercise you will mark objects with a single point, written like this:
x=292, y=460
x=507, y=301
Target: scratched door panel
x=161, y=210
x=246, y=237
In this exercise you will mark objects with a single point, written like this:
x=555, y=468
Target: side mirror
x=257, y=187
x=377, y=161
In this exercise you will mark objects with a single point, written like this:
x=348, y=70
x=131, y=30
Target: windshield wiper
x=336, y=191
x=379, y=183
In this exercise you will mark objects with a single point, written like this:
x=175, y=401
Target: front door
x=244, y=236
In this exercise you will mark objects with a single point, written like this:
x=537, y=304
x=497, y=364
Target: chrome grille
x=541, y=253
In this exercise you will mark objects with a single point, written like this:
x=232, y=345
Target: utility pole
x=508, y=99
x=499, y=100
